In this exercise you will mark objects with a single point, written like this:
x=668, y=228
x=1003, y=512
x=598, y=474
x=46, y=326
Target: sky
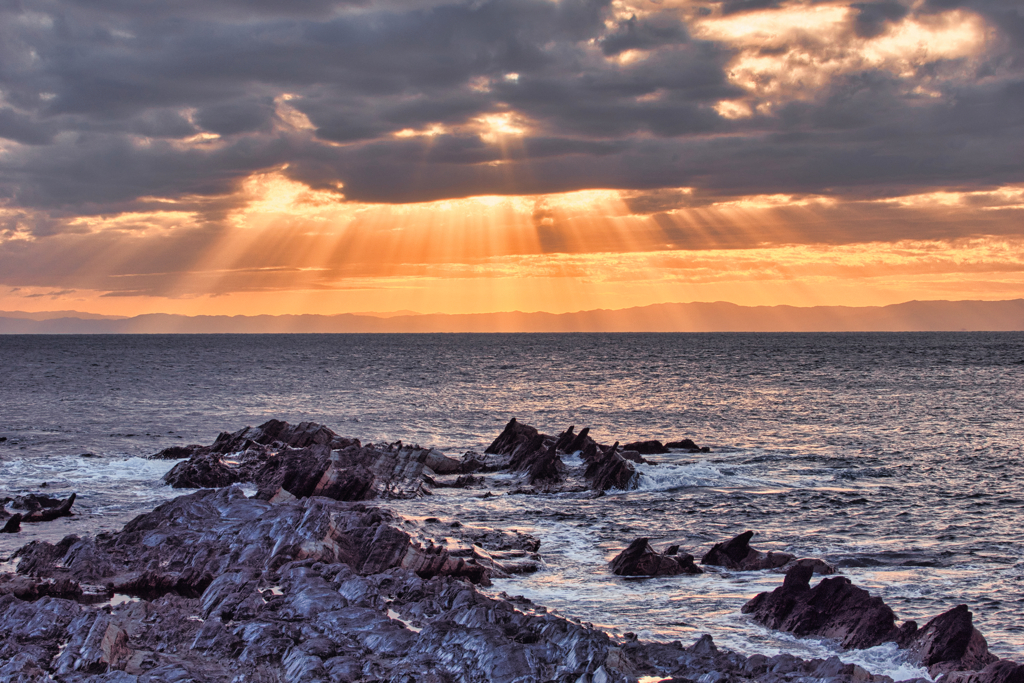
x=313, y=156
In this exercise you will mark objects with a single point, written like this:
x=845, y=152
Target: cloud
x=113, y=107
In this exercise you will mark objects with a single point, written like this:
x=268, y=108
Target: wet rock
x=178, y=452
x=13, y=525
x=634, y=456
x=646, y=447
x=686, y=445
x=737, y=554
x=1002, y=671
x=818, y=566
x=640, y=559
x=835, y=608
x=201, y=471
x=949, y=642
x=514, y=437
x=287, y=462
x=610, y=470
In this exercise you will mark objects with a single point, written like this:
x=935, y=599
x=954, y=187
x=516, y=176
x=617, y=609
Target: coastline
x=305, y=561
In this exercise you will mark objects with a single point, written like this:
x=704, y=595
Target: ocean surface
x=895, y=456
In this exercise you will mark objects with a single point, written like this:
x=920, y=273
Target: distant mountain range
x=720, y=316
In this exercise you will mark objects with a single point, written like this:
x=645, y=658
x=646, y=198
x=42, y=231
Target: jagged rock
x=36, y=508
x=835, y=608
x=651, y=447
x=640, y=559
x=609, y=470
x=547, y=468
x=201, y=471
x=311, y=460
x=1002, y=671
x=13, y=524
x=634, y=456
x=737, y=554
x=513, y=437
x=949, y=642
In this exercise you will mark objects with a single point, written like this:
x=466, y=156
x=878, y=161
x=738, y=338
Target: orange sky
x=780, y=191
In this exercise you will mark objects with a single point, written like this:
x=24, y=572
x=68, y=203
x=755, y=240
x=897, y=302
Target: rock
x=547, y=468
x=737, y=554
x=640, y=559
x=1002, y=671
x=610, y=470
x=201, y=471
x=685, y=444
x=512, y=438
x=441, y=463
x=177, y=452
x=646, y=447
x=818, y=566
x=311, y=460
x=835, y=608
x=949, y=642
x=13, y=524
x=634, y=456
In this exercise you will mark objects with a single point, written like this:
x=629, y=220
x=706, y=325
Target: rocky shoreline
x=308, y=580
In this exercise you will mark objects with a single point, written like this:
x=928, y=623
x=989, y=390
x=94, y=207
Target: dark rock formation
x=949, y=642
x=640, y=559
x=607, y=470
x=737, y=554
x=309, y=459
x=512, y=438
x=36, y=508
x=646, y=447
x=13, y=525
x=1002, y=671
x=837, y=609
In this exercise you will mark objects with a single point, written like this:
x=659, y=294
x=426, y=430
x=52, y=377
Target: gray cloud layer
x=102, y=102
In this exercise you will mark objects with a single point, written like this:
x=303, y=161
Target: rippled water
x=897, y=456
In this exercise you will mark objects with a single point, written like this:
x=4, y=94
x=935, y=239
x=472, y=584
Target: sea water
x=895, y=456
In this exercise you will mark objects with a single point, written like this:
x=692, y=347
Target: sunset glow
x=799, y=153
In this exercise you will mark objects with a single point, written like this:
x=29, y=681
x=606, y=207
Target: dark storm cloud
x=106, y=102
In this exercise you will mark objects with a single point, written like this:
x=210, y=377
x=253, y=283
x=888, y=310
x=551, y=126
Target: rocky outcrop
x=608, y=470
x=514, y=437
x=321, y=590
x=949, y=642
x=309, y=459
x=737, y=554
x=640, y=559
x=837, y=609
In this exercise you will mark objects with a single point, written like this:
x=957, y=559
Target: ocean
x=895, y=456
